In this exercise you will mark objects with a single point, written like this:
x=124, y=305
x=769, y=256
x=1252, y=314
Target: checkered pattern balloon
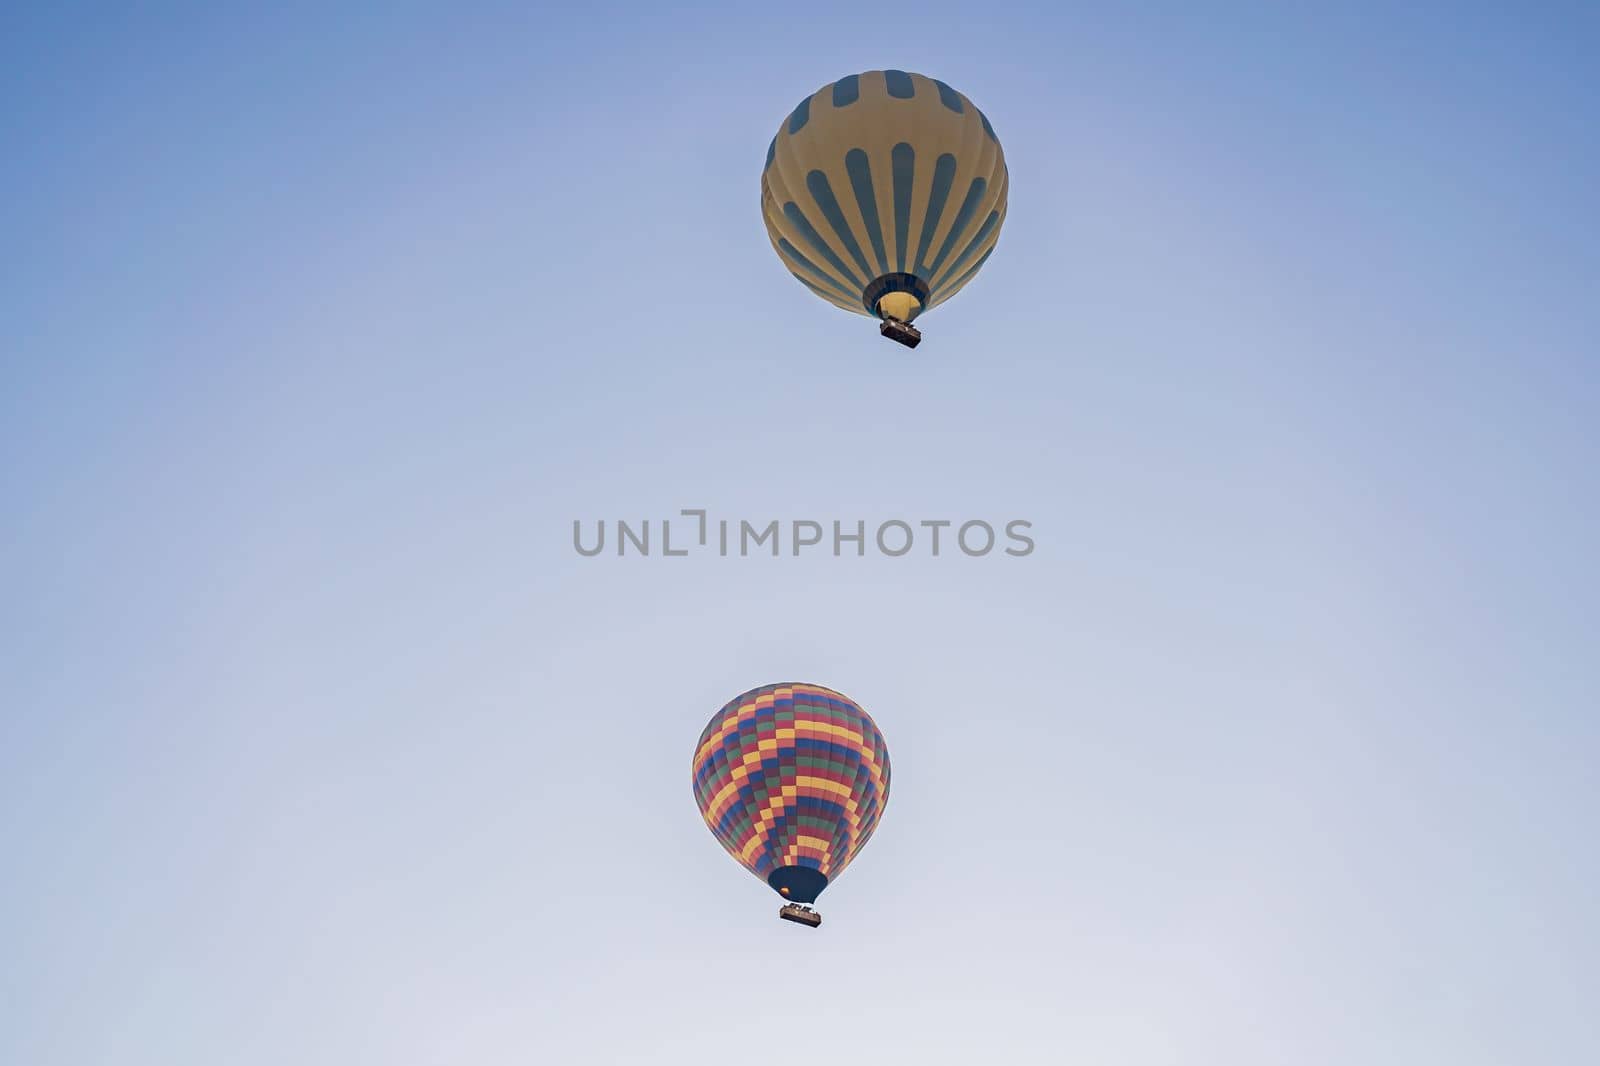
x=792, y=780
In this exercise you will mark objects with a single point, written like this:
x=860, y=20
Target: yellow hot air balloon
x=884, y=193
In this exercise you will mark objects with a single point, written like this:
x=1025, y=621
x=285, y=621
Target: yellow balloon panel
x=884, y=183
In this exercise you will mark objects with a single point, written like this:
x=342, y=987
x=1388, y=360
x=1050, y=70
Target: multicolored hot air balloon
x=883, y=194
x=792, y=780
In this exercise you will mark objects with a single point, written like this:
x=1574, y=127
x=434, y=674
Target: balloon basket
x=794, y=912
x=903, y=332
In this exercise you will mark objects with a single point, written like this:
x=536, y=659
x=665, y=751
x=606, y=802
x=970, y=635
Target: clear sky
x=320, y=744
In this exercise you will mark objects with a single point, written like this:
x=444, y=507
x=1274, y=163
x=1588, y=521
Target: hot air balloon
x=884, y=194
x=792, y=779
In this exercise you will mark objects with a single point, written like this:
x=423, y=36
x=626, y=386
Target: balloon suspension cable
x=799, y=912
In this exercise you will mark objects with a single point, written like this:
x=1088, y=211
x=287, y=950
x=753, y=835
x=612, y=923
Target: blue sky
x=319, y=743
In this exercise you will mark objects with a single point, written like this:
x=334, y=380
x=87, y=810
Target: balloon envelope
x=884, y=192
x=792, y=779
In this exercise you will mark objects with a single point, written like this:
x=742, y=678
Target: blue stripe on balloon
x=900, y=85
x=986, y=127
x=847, y=91
x=969, y=206
x=963, y=279
x=818, y=807
x=822, y=193
x=801, y=116
x=859, y=167
x=797, y=218
x=807, y=265
x=944, y=174
x=948, y=96
x=973, y=245
x=903, y=162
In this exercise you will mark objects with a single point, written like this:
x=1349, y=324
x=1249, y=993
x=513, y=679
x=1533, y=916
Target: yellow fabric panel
x=821, y=784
